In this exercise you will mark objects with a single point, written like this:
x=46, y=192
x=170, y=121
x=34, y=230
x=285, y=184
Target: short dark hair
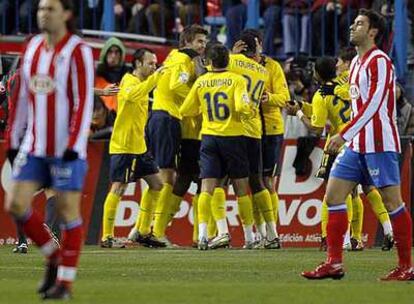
x=376, y=21
x=139, y=55
x=71, y=23
x=347, y=53
x=326, y=68
x=250, y=40
x=219, y=55
x=189, y=33
x=256, y=33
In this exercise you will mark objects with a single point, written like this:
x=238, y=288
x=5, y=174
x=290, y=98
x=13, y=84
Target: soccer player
x=164, y=130
x=372, y=153
x=273, y=127
x=222, y=98
x=55, y=103
x=130, y=159
x=257, y=77
x=340, y=89
x=322, y=109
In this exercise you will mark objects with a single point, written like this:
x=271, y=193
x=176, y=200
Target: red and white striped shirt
x=54, y=102
x=373, y=127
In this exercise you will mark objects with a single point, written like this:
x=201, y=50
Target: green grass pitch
x=140, y=275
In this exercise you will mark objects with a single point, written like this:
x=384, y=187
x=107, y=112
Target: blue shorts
x=128, y=168
x=51, y=172
x=223, y=155
x=377, y=169
x=271, y=148
x=164, y=137
x=189, y=157
x=254, y=155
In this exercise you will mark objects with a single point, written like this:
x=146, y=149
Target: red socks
x=402, y=227
x=71, y=246
x=40, y=234
x=336, y=229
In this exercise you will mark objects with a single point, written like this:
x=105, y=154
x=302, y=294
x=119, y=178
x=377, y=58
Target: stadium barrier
x=299, y=209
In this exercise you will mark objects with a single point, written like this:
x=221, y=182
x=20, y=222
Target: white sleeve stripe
x=378, y=96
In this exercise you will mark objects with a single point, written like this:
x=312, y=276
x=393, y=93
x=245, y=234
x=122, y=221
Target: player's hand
x=110, y=90
x=239, y=47
x=327, y=89
x=70, y=155
x=292, y=107
x=11, y=155
x=199, y=67
x=265, y=97
x=335, y=143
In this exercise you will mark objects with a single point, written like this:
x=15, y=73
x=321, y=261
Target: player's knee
x=256, y=183
x=15, y=208
x=391, y=200
x=268, y=183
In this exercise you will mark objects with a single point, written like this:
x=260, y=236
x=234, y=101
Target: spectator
x=298, y=73
x=236, y=17
x=7, y=10
x=138, y=22
x=160, y=17
x=92, y=14
x=328, y=12
x=272, y=26
x=405, y=113
x=102, y=120
x=188, y=12
x=295, y=21
x=110, y=70
x=27, y=16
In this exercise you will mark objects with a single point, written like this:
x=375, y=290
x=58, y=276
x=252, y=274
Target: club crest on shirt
x=41, y=84
x=354, y=91
x=184, y=77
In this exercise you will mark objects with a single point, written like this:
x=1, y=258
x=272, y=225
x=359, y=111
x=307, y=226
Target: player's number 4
x=216, y=109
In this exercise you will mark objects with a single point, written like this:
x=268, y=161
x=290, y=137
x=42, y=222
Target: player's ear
x=67, y=15
x=373, y=33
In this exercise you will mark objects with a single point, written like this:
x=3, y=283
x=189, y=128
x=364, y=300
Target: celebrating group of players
x=217, y=117
x=209, y=127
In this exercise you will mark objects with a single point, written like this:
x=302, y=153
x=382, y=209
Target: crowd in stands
x=311, y=27
x=286, y=26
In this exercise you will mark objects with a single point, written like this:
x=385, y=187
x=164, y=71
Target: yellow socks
x=162, y=211
x=218, y=210
x=195, y=218
x=175, y=202
x=204, y=214
x=324, y=217
x=111, y=203
x=218, y=202
x=358, y=216
x=148, y=202
x=275, y=205
x=381, y=213
x=246, y=216
x=211, y=228
x=263, y=200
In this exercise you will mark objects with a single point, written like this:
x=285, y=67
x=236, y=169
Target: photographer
x=299, y=73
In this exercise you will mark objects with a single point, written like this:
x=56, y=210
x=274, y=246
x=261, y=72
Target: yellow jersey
x=223, y=101
x=174, y=84
x=256, y=76
x=342, y=89
x=191, y=127
x=332, y=108
x=278, y=91
x=128, y=135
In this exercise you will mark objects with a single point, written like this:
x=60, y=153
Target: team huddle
x=215, y=120
x=210, y=123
